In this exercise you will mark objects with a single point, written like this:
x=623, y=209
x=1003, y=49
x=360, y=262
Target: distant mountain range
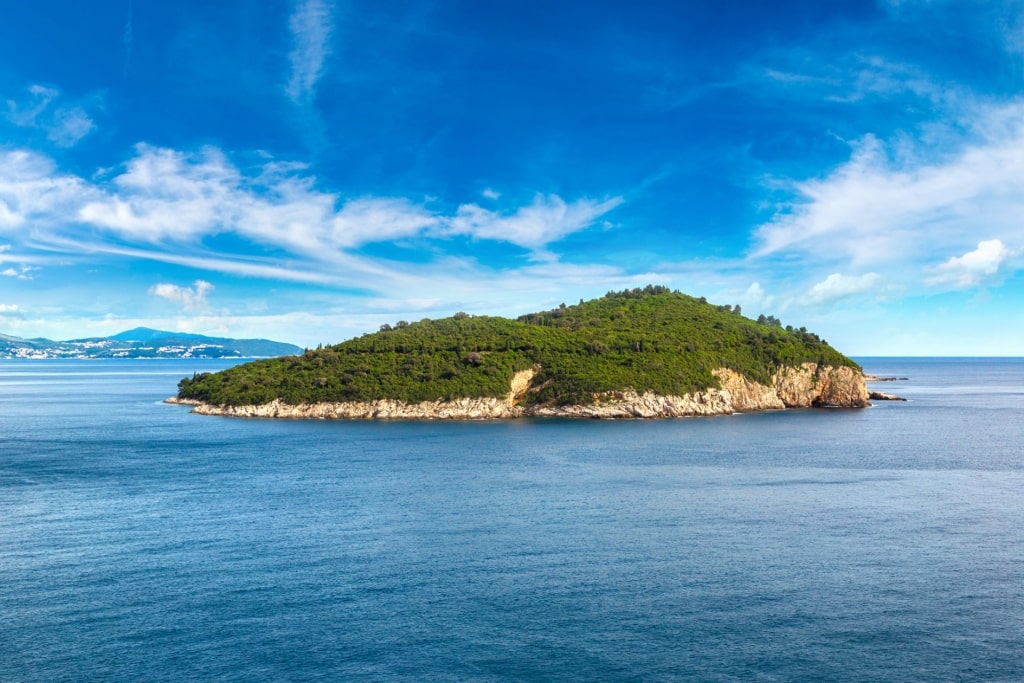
x=143, y=342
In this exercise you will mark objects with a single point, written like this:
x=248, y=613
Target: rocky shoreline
x=881, y=395
x=808, y=385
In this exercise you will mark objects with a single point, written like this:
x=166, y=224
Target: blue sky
x=307, y=171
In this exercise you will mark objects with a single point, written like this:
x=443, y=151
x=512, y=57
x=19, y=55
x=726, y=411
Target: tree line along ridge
x=645, y=339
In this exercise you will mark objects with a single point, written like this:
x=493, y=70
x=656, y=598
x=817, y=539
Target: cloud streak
x=311, y=28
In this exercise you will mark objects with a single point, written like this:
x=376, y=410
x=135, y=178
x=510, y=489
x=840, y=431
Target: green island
x=640, y=342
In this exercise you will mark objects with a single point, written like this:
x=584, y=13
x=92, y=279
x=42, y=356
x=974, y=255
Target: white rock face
x=520, y=385
x=792, y=387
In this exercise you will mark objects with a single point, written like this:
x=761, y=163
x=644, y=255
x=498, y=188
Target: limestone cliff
x=821, y=386
x=808, y=385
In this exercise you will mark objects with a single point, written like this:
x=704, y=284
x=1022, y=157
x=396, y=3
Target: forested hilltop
x=647, y=340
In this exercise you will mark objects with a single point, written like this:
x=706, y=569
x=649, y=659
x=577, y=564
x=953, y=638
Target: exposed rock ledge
x=882, y=396
x=792, y=387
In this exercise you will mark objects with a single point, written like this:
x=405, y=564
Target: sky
x=309, y=170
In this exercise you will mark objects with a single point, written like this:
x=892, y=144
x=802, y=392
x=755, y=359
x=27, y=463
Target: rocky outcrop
x=792, y=387
x=744, y=396
x=520, y=384
x=821, y=386
x=882, y=396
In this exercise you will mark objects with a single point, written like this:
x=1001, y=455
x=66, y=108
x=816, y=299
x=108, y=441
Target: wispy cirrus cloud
x=171, y=206
x=888, y=205
x=837, y=286
x=64, y=124
x=547, y=219
x=69, y=126
x=379, y=219
x=167, y=195
x=27, y=112
x=33, y=189
x=853, y=78
x=311, y=25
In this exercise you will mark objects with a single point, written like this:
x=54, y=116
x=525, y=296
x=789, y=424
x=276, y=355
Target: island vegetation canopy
x=646, y=339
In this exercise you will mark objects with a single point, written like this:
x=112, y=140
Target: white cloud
x=756, y=297
x=70, y=126
x=9, y=308
x=31, y=188
x=27, y=113
x=752, y=299
x=546, y=220
x=878, y=77
x=836, y=287
x=200, y=210
x=65, y=125
x=190, y=298
x=311, y=26
x=373, y=219
x=488, y=193
x=974, y=267
x=22, y=274
x=875, y=209
x=170, y=196
x=847, y=77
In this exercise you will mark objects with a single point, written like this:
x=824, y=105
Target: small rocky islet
x=640, y=353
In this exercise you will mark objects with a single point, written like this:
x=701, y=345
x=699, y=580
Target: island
x=640, y=353
x=143, y=342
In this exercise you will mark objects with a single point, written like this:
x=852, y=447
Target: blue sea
x=139, y=542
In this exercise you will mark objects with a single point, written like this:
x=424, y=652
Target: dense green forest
x=646, y=339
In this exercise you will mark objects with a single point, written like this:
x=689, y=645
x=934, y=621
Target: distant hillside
x=147, y=334
x=143, y=342
x=644, y=340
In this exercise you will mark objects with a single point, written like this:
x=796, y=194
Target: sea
x=140, y=542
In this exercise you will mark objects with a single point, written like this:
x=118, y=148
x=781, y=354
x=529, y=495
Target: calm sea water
x=139, y=542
